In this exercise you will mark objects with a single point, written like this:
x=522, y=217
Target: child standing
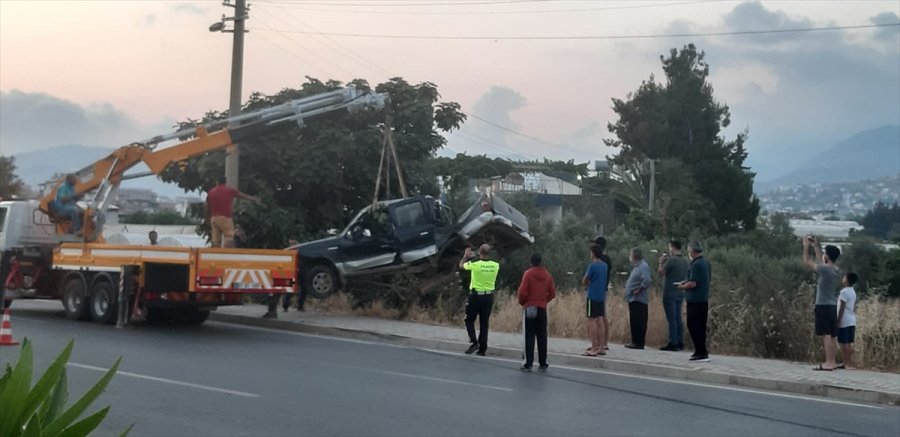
x=847, y=319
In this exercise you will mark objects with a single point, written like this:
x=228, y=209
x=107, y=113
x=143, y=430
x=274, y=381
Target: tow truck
x=40, y=256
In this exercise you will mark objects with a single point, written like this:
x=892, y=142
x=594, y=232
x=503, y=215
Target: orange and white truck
x=40, y=256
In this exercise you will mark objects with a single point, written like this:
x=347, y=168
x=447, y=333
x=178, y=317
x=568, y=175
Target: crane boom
x=106, y=174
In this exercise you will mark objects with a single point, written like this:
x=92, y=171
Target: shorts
x=826, y=320
x=596, y=308
x=846, y=335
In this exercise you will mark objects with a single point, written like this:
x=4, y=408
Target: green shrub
x=40, y=410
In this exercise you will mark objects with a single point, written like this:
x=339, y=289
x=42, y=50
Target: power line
x=410, y=4
x=482, y=140
x=508, y=12
x=352, y=54
x=589, y=37
x=320, y=57
x=301, y=59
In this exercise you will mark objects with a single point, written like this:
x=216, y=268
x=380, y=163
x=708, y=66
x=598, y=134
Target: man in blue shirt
x=595, y=279
x=64, y=206
x=636, y=293
x=697, y=297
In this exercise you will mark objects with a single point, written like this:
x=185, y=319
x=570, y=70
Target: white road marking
x=168, y=381
x=576, y=369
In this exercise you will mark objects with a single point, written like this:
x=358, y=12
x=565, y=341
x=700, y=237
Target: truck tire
x=320, y=281
x=158, y=316
x=103, y=305
x=194, y=316
x=75, y=298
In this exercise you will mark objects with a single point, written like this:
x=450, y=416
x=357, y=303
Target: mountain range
x=868, y=154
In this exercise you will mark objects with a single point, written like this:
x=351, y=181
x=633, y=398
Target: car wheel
x=75, y=301
x=103, y=304
x=320, y=281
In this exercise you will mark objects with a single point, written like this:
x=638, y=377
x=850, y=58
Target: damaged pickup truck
x=416, y=234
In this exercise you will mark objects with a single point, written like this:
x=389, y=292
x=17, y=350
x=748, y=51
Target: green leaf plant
x=39, y=411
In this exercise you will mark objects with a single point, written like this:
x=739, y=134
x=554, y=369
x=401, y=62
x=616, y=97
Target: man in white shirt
x=847, y=319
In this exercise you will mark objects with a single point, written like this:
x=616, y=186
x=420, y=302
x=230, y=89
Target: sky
x=105, y=73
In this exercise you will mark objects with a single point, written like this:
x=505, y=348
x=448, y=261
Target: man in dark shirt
x=673, y=269
x=697, y=298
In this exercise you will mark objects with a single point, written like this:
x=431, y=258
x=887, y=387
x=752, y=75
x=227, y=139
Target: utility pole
x=232, y=159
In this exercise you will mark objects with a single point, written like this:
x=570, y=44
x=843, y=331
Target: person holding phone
x=697, y=297
x=673, y=268
x=480, y=302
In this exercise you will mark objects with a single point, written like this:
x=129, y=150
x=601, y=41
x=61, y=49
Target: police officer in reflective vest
x=481, y=295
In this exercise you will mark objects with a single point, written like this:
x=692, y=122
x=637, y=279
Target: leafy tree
x=681, y=120
x=10, y=184
x=882, y=221
x=315, y=178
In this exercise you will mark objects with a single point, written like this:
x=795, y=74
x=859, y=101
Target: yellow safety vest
x=484, y=274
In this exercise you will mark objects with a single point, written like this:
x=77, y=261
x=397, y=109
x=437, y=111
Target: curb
x=657, y=370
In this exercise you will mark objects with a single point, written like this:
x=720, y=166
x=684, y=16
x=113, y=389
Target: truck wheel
x=158, y=316
x=194, y=316
x=75, y=300
x=103, y=302
x=320, y=281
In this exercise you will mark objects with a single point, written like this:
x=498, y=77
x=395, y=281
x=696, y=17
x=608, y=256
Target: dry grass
x=877, y=336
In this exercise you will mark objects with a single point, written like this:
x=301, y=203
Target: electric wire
x=593, y=37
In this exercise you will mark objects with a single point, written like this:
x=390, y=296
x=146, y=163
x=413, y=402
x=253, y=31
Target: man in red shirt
x=219, y=203
x=535, y=292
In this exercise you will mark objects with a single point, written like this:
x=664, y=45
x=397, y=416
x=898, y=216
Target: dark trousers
x=479, y=305
x=637, y=313
x=301, y=299
x=536, y=329
x=697, y=313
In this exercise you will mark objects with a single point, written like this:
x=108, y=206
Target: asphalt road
x=223, y=379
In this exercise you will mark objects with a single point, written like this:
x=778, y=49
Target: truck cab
x=27, y=239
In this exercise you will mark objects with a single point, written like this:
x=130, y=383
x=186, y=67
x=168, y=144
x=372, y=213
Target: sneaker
x=633, y=346
x=700, y=358
x=679, y=346
x=543, y=368
x=479, y=353
x=525, y=368
x=472, y=348
x=669, y=348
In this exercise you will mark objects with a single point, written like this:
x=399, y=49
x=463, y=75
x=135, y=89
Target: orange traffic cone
x=6, y=338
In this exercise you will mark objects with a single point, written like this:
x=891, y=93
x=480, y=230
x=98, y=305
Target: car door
x=414, y=232
x=368, y=243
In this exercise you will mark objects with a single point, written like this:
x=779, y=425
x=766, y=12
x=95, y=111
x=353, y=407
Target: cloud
x=496, y=106
x=34, y=121
x=797, y=93
x=149, y=20
x=189, y=8
x=887, y=34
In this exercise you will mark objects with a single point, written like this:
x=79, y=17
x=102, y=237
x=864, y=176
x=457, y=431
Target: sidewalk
x=767, y=374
